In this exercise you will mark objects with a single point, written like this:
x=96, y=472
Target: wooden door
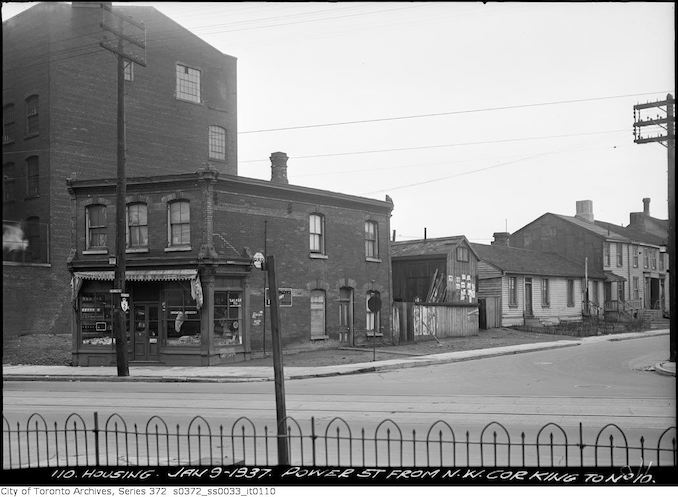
x=528, y=297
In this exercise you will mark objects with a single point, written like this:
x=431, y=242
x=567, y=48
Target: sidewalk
x=230, y=374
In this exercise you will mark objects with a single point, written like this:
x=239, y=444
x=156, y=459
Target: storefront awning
x=141, y=275
x=610, y=276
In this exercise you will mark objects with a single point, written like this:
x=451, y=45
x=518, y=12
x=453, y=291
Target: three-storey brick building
x=59, y=121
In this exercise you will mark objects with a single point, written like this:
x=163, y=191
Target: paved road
x=595, y=384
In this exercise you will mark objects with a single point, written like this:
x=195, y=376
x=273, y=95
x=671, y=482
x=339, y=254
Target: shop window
x=183, y=317
x=96, y=323
x=96, y=227
x=372, y=319
x=179, y=214
x=228, y=316
x=317, y=314
x=137, y=226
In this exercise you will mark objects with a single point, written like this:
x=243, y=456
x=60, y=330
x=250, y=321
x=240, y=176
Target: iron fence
x=115, y=442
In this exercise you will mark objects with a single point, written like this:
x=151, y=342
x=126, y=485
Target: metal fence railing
x=113, y=441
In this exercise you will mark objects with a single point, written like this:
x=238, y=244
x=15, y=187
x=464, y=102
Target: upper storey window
x=188, y=83
x=217, y=143
x=316, y=225
x=32, y=109
x=8, y=126
x=179, y=226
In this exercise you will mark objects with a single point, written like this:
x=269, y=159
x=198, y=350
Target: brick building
x=59, y=121
x=195, y=297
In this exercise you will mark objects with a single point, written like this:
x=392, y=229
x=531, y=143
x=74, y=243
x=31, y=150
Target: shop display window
x=96, y=321
x=228, y=317
x=183, y=317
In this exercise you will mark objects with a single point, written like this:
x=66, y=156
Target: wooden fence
x=414, y=320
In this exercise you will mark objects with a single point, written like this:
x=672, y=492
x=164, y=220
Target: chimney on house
x=279, y=168
x=501, y=238
x=646, y=206
x=585, y=210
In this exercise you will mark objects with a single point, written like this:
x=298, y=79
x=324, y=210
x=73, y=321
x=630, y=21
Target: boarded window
x=317, y=314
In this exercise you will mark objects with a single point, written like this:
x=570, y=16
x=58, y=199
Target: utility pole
x=668, y=140
x=129, y=36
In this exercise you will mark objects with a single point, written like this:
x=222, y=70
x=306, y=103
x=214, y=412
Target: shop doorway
x=146, y=327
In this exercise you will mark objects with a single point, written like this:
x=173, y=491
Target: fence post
x=313, y=437
x=96, y=437
x=581, y=446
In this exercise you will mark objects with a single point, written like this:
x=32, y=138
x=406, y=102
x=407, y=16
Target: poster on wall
x=284, y=297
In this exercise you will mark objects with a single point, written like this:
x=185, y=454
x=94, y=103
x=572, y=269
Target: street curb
x=417, y=361
x=659, y=368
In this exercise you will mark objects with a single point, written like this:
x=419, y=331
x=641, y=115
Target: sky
x=474, y=118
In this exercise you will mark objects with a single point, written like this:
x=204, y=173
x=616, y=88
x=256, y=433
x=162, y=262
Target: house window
x=661, y=261
x=137, y=226
x=32, y=122
x=545, y=298
x=96, y=226
x=635, y=255
x=595, y=298
x=188, y=83
x=646, y=258
x=317, y=314
x=620, y=290
x=179, y=214
x=607, y=254
x=570, y=293
x=513, y=291
x=317, y=233
x=32, y=176
x=372, y=319
x=462, y=254
x=653, y=259
x=620, y=255
x=8, y=180
x=371, y=239
x=636, y=288
x=8, y=125
x=217, y=143
x=128, y=67
x=34, y=249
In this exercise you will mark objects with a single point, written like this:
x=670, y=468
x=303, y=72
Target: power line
x=424, y=147
x=450, y=113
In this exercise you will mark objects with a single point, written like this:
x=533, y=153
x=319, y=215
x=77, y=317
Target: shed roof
x=524, y=261
x=428, y=246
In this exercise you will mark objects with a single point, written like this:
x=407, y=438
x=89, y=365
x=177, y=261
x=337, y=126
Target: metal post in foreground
x=281, y=411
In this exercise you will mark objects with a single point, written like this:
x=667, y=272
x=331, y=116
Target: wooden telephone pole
x=129, y=39
x=667, y=138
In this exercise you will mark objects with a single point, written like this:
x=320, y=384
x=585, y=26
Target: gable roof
x=429, y=247
x=524, y=261
x=594, y=228
x=635, y=234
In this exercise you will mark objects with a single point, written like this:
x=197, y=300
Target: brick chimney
x=646, y=206
x=585, y=210
x=501, y=238
x=279, y=168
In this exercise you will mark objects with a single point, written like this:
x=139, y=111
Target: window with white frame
x=513, y=291
x=620, y=255
x=179, y=223
x=96, y=227
x=32, y=119
x=217, y=143
x=371, y=239
x=137, y=225
x=607, y=254
x=188, y=83
x=316, y=229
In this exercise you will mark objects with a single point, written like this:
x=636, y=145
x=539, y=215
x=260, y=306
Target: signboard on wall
x=284, y=297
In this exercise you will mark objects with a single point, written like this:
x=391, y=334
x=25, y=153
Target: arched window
x=32, y=115
x=96, y=226
x=317, y=314
x=217, y=143
x=373, y=319
x=179, y=223
x=137, y=225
